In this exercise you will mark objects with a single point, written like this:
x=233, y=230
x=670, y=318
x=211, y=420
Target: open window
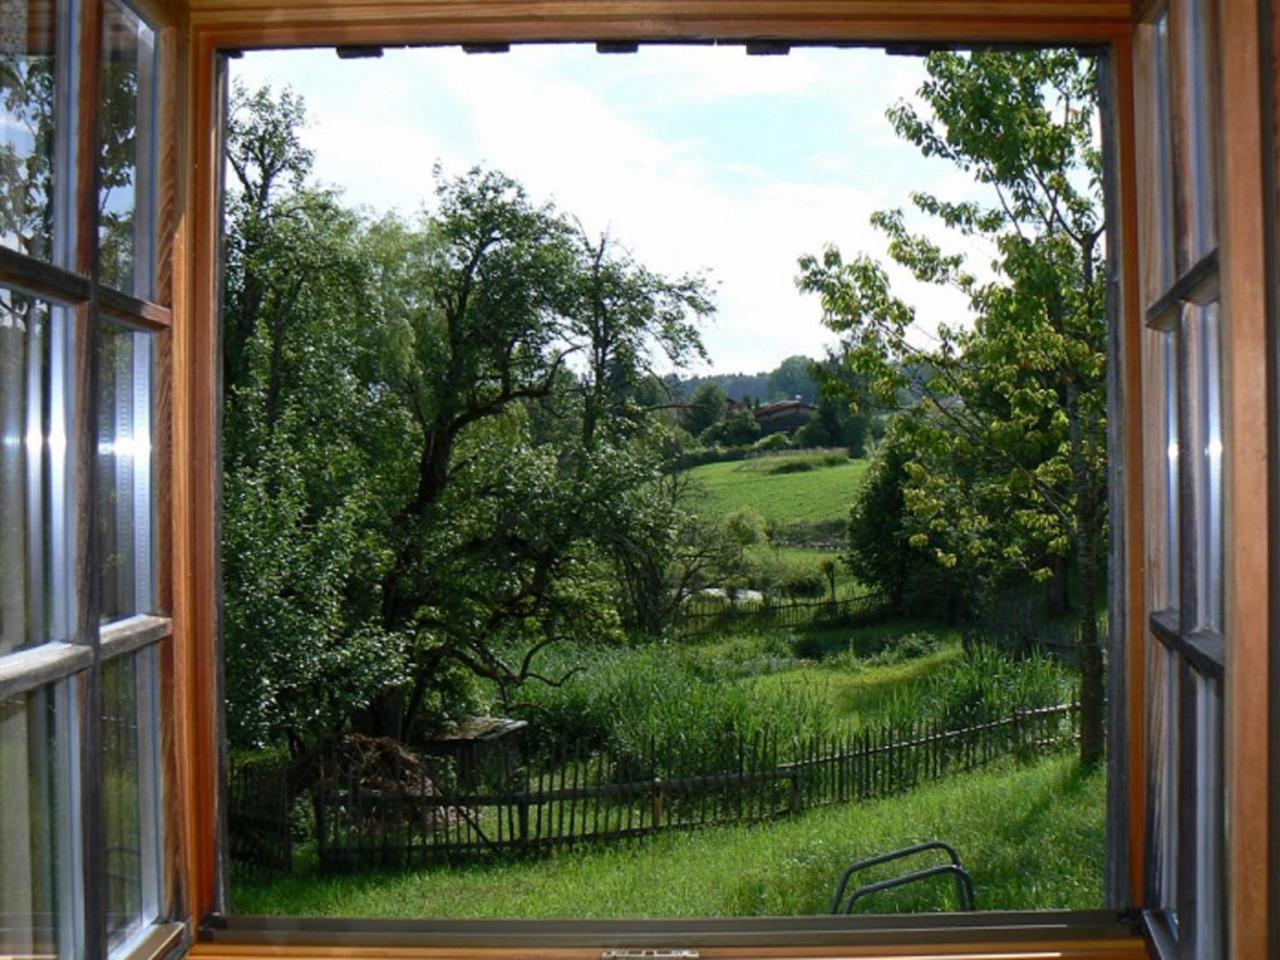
x=110, y=742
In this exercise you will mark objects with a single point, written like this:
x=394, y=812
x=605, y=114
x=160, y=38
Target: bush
x=746, y=527
x=804, y=585
x=773, y=442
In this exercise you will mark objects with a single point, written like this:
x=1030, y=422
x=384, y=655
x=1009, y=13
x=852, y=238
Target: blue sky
x=695, y=158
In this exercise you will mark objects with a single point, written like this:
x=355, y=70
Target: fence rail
x=597, y=798
x=703, y=615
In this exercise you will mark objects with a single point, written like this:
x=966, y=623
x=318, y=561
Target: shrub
x=774, y=441
x=746, y=527
x=804, y=585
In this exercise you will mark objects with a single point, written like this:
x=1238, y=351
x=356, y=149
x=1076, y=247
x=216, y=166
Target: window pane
x=1164, y=155
x=1210, y=826
x=124, y=471
x=1172, y=496
x=1202, y=226
x=1162, y=732
x=32, y=837
x=126, y=163
x=36, y=545
x=27, y=97
x=131, y=795
x=1201, y=332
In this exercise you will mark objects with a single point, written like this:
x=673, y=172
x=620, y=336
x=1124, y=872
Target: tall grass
x=633, y=702
x=982, y=685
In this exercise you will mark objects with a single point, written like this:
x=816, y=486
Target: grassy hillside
x=805, y=488
x=1031, y=835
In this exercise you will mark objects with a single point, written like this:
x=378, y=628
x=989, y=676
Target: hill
x=807, y=488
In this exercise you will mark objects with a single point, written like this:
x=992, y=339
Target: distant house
x=784, y=416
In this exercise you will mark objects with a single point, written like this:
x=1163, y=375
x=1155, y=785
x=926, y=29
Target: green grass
x=819, y=493
x=1031, y=835
x=863, y=695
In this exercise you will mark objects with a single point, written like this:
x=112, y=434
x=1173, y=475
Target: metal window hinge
x=649, y=954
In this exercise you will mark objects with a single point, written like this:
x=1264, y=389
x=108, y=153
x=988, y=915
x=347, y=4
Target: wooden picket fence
x=593, y=798
x=701, y=615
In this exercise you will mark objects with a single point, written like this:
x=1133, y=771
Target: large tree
x=428, y=437
x=1009, y=434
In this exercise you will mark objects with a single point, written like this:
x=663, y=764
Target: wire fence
x=714, y=614
x=583, y=797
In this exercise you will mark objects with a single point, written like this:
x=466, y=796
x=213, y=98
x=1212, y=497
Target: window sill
x=993, y=935
x=151, y=943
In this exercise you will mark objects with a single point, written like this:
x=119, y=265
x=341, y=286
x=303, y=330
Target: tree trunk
x=1088, y=497
x=1059, y=597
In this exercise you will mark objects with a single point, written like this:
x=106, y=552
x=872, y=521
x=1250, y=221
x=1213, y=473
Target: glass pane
x=36, y=498
x=31, y=864
x=1162, y=815
x=1201, y=334
x=130, y=792
x=124, y=471
x=1210, y=825
x=28, y=96
x=1202, y=225
x=126, y=161
x=1172, y=496
x=1164, y=154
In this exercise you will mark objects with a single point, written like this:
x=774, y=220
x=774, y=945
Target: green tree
x=706, y=407
x=792, y=378
x=1009, y=436
x=738, y=429
x=625, y=312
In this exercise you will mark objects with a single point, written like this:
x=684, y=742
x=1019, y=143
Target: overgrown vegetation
x=1033, y=837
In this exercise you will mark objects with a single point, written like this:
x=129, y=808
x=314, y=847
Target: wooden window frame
x=189, y=271
x=69, y=281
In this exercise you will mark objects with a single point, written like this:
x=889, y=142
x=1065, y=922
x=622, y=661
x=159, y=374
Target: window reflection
x=29, y=811
x=125, y=162
x=130, y=794
x=27, y=98
x=1162, y=731
x=35, y=409
x=1172, y=498
x=124, y=471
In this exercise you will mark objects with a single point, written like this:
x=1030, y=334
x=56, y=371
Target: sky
x=695, y=158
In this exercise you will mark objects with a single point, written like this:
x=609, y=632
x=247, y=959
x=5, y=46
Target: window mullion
x=89, y=20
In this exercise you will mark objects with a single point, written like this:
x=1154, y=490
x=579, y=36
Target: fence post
x=1016, y=727
x=657, y=803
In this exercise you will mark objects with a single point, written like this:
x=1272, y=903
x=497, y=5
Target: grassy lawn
x=1031, y=835
x=802, y=488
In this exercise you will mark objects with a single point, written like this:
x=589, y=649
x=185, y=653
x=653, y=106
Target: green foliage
x=774, y=442
x=884, y=551
x=737, y=429
x=706, y=407
x=1007, y=424
x=984, y=685
x=746, y=527
x=420, y=491
x=793, y=378
x=630, y=701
